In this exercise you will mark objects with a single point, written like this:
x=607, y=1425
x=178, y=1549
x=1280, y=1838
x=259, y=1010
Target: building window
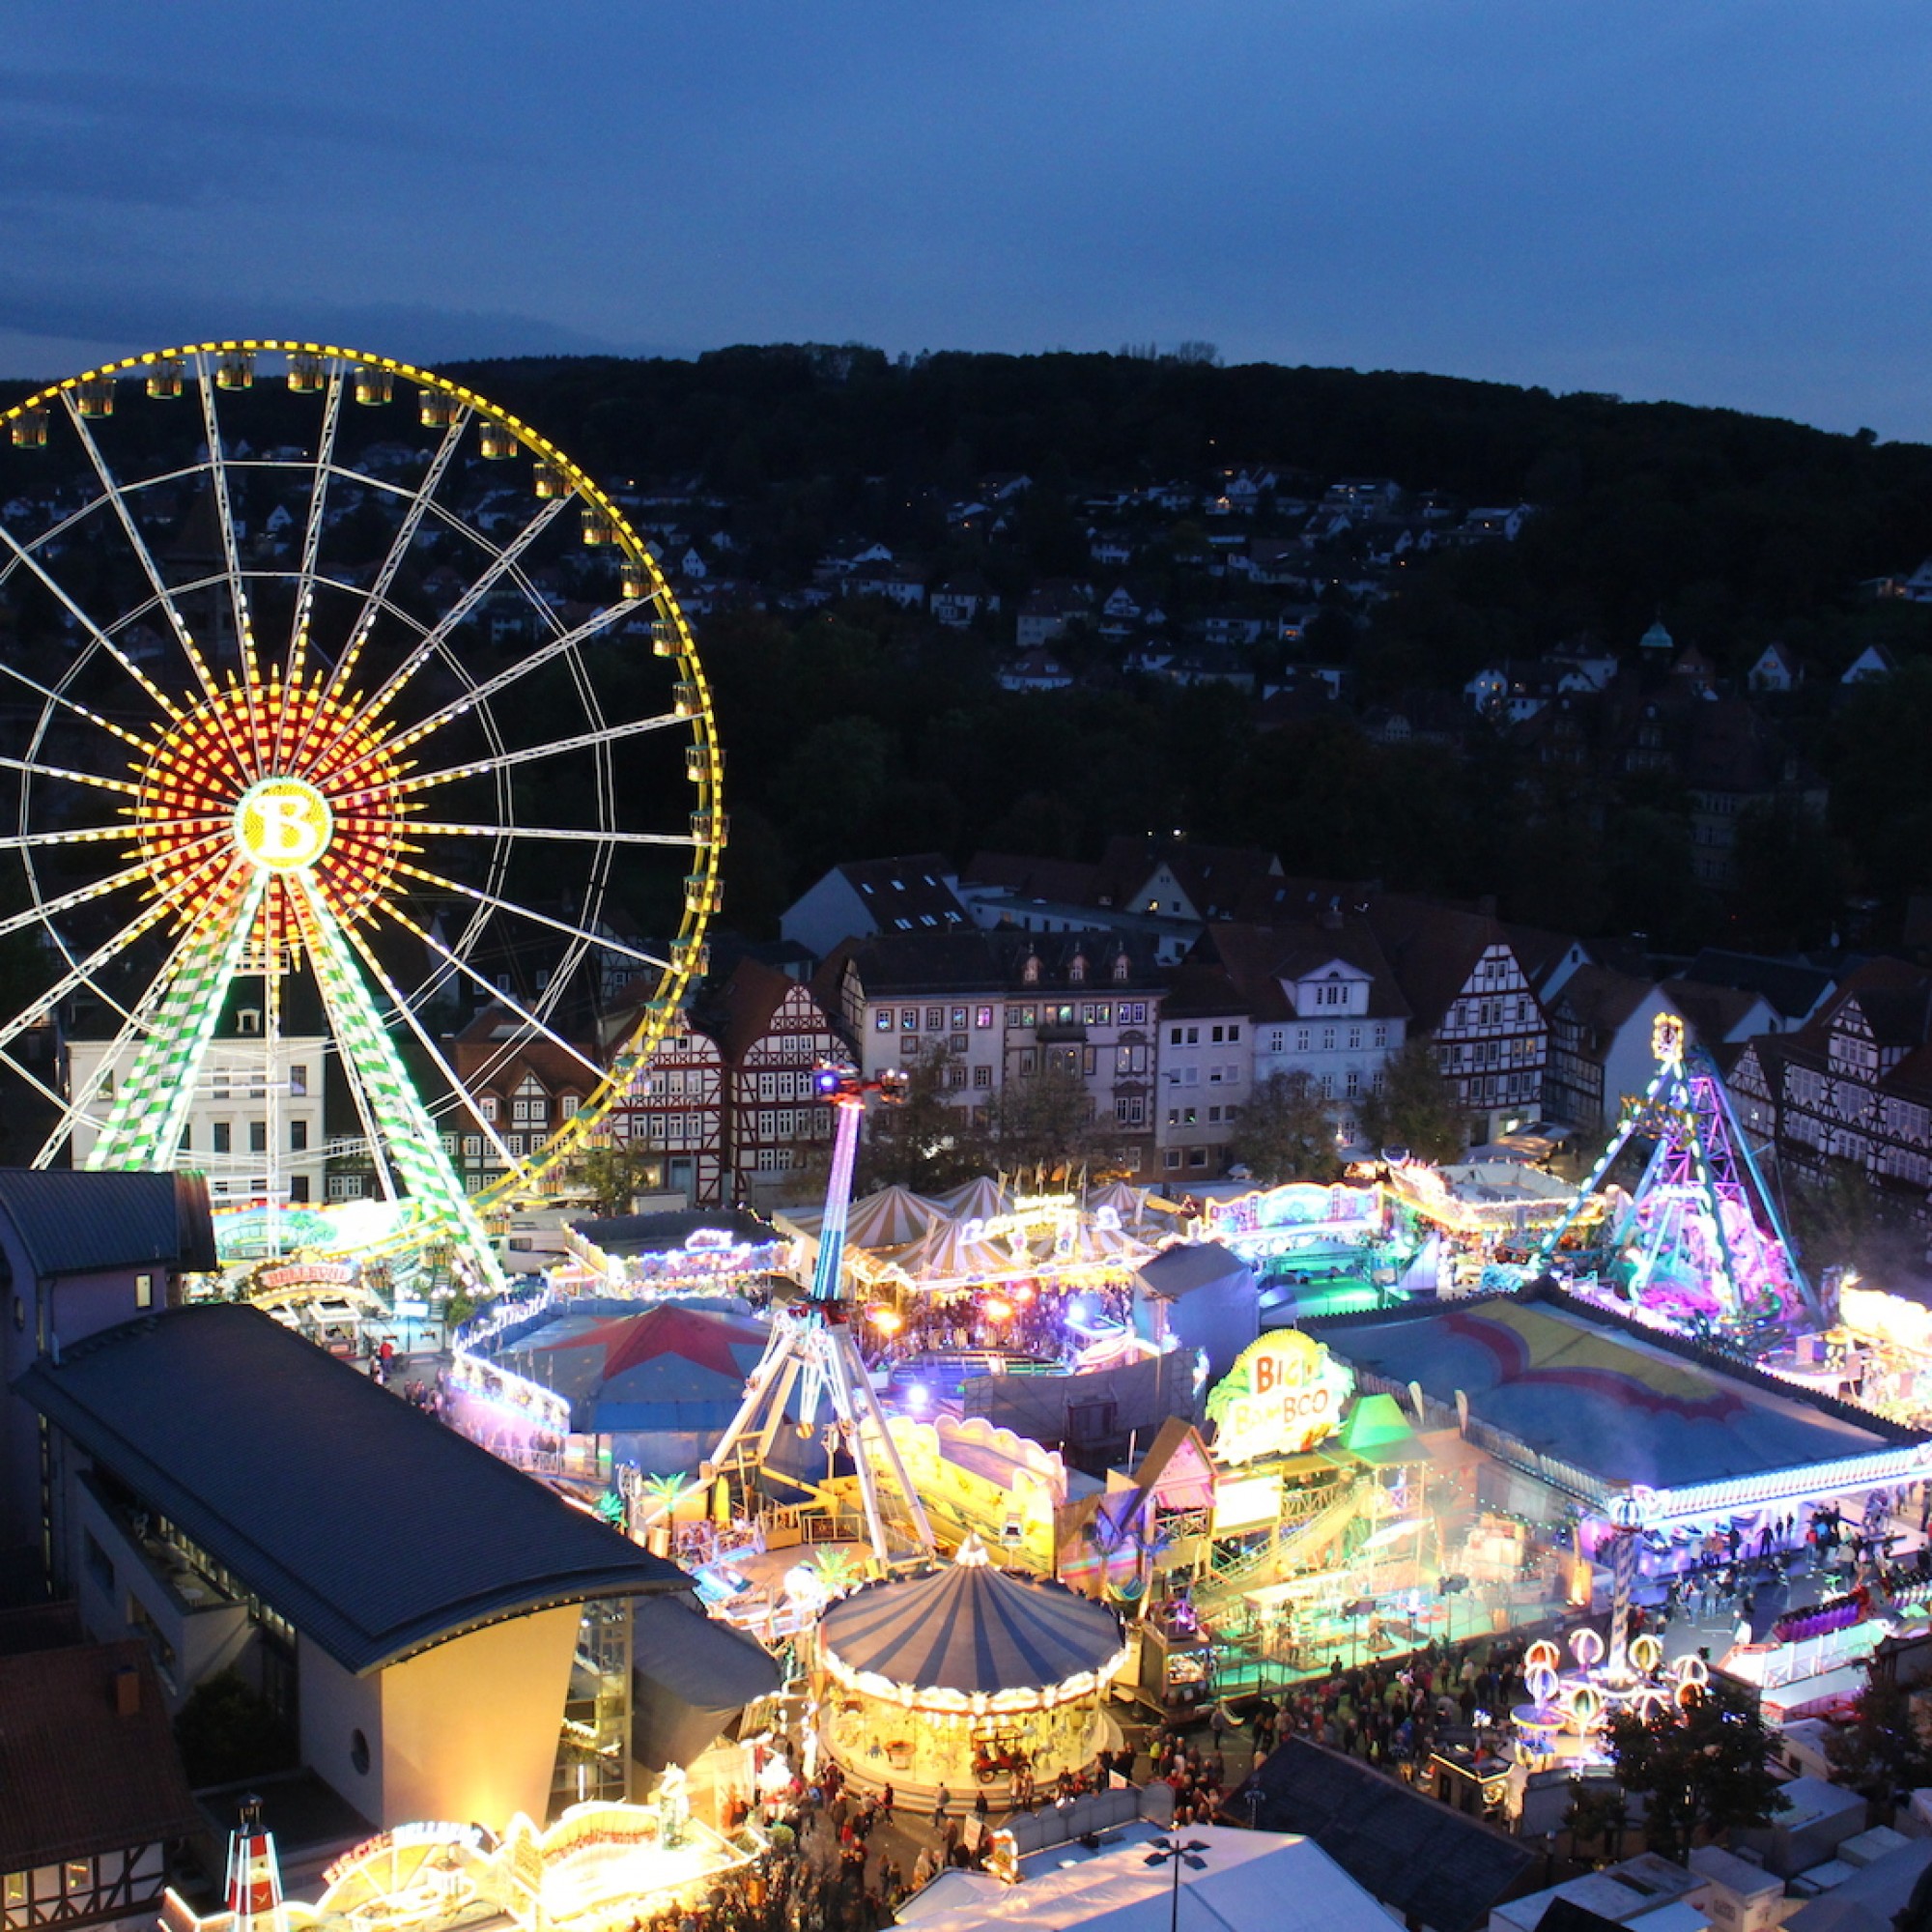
x=1197, y=1156
x=958, y=1019
x=258, y=1136
x=1029, y=971
x=358, y=1751
x=982, y=1016
x=487, y=1107
x=935, y=1019
x=1301, y=1037
x=224, y=1133
x=1076, y=970
x=1028, y=1058
x=1123, y=970
x=297, y=1136
x=882, y=1020
x=908, y=1019
x=982, y=1076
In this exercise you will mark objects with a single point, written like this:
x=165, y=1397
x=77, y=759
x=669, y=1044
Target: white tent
x=1250, y=1882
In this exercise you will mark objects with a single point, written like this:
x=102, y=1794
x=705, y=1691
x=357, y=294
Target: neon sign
x=1283, y=1395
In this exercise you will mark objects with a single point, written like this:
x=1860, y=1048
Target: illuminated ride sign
x=283, y=824
x=1283, y=1395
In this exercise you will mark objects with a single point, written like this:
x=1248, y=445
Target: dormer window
x=1029, y=971
x=1123, y=969
x=1076, y=970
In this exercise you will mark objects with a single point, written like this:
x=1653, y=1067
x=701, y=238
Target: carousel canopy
x=978, y=1200
x=668, y=1367
x=946, y=1254
x=971, y=1628
x=891, y=1218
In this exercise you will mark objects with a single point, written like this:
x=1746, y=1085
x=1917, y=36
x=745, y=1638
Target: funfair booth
x=704, y=1252
x=964, y=1677
x=1582, y=1415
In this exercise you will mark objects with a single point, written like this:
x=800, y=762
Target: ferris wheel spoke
x=95, y=634
x=50, y=695
x=135, y=874
x=496, y=993
x=584, y=835
x=94, y=834
x=143, y=553
x=427, y=1040
x=217, y=477
x=93, y=780
x=81, y=973
x=311, y=552
x=75, y=1109
x=608, y=734
x=376, y=598
x=534, y=661
x=493, y=903
x=432, y=639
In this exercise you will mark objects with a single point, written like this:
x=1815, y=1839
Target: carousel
x=967, y=1677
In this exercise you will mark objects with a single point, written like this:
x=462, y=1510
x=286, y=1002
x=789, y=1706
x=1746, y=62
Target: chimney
x=126, y=1691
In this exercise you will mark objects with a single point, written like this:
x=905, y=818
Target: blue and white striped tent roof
x=971, y=1628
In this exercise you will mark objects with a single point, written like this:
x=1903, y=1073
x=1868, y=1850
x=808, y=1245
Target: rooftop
x=373, y=1528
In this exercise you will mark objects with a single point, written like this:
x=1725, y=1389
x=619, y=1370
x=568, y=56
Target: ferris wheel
x=327, y=682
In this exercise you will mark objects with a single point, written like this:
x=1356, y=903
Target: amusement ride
x=333, y=673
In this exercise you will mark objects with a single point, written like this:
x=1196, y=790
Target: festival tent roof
x=1129, y=1203
x=1178, y=1271
x=976, y=1199
x=891, y=1218
x=945, y=1254
x=1585, y=1391
x=1248, y=1879
x=668, y=1367
x=969, y=1627
x=1094, y=1243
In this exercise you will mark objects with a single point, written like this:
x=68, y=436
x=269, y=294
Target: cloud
x=67, y=137
x=81, y=329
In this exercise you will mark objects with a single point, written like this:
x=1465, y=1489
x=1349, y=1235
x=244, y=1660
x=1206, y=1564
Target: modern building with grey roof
x=422, y=1610
x=79, y=1252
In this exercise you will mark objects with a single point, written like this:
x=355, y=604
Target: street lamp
x=1171, y=1851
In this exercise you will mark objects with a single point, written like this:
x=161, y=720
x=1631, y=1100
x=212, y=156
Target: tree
x=612, y=1175
x=1043, y=1120
x=1286, y=1133
x=925, y=1142
x=228, y=1731
x=1883, y=1751
x=1414, y=1107
x=1700, y=1769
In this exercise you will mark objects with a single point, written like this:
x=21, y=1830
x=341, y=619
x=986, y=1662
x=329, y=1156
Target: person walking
x=941, y=1799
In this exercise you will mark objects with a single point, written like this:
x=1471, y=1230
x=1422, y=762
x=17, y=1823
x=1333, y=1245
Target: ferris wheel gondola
x=378, y=707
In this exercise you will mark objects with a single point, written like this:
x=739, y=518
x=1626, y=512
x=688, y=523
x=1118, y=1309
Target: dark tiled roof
x=1065, y=881
x=1602, y=1000
x=1427, y=1863
x=73, y=1222
x=650, y=1233
x=76, y=1776
x=1260, y=959
x=909, y=963
x=1793, y=989
x=372, y=1527
x=1434, y=949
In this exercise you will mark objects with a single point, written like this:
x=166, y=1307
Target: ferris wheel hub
x=283, y=824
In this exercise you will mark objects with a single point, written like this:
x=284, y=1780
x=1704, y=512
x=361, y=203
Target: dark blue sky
x=1721, y=201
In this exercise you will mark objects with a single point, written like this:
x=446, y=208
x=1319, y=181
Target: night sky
x=1716, y=201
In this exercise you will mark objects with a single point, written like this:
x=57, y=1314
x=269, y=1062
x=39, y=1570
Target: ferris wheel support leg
x=144, y=1126
x=862, y=1401
x=436, y=1193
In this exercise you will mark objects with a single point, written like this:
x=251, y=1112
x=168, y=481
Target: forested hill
x=1644, y=502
